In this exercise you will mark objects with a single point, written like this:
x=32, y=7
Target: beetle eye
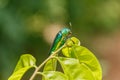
x=69, y=34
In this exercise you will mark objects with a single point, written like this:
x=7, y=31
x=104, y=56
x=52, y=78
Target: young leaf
x=54, y=75
x=50, y=65
x=19, y=73
x=74, y=70
x=25, y=62
x=70, y=42
x=86, y=57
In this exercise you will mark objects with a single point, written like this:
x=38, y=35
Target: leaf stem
x=40, y=66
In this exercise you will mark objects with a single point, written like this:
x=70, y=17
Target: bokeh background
x=29, y=26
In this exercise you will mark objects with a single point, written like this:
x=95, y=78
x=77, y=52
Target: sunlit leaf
x=54, y=75
x=25, y=62
x=19, y=73
x=50, y=65
x=85, y=57
x=73, y=41
x=74, y=70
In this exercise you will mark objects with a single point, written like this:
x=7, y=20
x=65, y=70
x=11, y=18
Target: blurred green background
x=29, y=26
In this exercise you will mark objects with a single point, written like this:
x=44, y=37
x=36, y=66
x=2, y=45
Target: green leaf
x=74, y=70
x=25, y=62
x=73, y=41
x=88, y=58
x=18, y=74
x=50, y=65
x=54, y=75
x=70, y=42
x=85, y=57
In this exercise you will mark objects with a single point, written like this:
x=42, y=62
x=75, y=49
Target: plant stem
x=40, y=66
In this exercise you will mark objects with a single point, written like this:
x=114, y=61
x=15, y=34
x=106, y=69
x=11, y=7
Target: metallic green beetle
x=60, y=39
